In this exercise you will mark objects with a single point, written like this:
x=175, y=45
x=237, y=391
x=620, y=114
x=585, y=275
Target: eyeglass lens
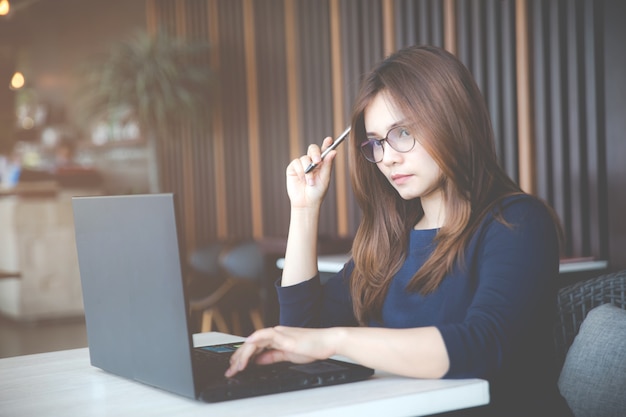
x=399, y=138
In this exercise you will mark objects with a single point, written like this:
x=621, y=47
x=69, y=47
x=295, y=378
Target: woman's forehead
x=381, y=114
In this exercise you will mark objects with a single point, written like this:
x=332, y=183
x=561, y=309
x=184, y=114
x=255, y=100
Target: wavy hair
x=440, y=99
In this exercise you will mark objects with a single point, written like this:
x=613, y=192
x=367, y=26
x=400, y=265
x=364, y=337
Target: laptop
x=129, y=256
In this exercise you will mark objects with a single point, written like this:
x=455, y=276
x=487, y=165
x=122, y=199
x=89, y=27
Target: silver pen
x=336, y=143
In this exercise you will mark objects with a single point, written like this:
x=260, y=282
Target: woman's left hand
x=280, y=343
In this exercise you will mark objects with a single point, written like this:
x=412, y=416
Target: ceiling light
x=4, y=7
x=17, y=81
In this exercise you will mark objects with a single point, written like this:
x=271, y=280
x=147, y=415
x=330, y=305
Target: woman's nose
x=390, y=155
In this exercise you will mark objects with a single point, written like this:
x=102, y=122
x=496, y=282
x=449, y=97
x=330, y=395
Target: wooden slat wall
x=568, y=127
x=525, y=143
x=274, y=112
x=363, y=39
x=232, y=77
x=288, y=72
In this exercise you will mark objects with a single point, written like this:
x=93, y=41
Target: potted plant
x=159, y=81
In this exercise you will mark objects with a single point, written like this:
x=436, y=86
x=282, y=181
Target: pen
x=336, y=143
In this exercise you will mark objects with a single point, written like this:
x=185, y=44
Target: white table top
x=64, y=383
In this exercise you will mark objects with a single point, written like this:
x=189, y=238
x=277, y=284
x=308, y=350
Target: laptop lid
x=134, y=301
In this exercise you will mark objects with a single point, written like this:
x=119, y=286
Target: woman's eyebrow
x=392, y=126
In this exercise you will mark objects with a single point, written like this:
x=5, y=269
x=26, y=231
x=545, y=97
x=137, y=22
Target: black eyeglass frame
x=370, y=143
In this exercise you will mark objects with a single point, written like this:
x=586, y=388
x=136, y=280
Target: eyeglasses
x=399, y=138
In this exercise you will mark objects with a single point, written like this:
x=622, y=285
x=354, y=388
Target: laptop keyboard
x=211, y=362
x=205, y=360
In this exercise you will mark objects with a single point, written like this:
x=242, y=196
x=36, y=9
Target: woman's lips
x=400, y=179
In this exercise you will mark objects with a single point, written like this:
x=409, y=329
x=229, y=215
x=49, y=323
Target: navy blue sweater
x=495, y=313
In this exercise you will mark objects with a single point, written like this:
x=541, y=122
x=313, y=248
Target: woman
x=453, y=266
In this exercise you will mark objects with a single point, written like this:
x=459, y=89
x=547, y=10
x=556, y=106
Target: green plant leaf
x=162, y=80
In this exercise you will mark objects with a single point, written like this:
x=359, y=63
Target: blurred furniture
x=332, y=263
x=5, y=274
x=37, y=245
x=590, y=337
x=225, y=286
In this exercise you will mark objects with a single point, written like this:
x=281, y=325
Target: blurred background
x=210, y=99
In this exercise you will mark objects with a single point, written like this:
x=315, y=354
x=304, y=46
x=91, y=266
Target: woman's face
x=414, y=173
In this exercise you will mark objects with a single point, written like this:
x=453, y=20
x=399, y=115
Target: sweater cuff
x=458, y=352
x=298, y=302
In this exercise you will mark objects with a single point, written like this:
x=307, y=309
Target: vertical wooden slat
x=234, y=115
x=271, y=44
x=151, y=18
x=181, y=21
x=339, y=118
x=436, y=31
x=253, y=119
x=541, y=102
x=389, y=24
x=185, y=142
x=188, y=186
x=595, y=155
x=449, y=19
x=494, y=72
x=293, y=71
x=477, y=51
x=218, y=158
x=405, y=33
x=576, y=128
x=423, y=20
x=557, y=112
x=464, y=33
x=525, y=144
x=509, y=90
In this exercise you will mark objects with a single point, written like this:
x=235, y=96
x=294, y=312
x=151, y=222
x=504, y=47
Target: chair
x=576, y=300
x=225, y=285
x=590, y=341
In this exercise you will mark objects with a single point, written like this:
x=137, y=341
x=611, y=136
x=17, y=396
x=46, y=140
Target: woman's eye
x=404, y=132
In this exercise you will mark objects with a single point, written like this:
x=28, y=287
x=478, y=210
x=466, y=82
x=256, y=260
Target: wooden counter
x=37, y=245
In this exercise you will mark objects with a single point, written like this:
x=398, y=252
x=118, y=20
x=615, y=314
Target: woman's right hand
x=308, y=190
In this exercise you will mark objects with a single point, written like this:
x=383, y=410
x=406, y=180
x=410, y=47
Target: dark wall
x=51, y=38
x=615, y=81
x=566, y=94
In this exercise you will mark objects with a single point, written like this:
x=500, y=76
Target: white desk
x=64, y=384
x=334, y=263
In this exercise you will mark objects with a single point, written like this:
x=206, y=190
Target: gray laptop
x=136, y=310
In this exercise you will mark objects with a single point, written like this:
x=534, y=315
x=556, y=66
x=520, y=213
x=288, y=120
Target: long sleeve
x=311, y=304
x=513, y=268
x=494, y=311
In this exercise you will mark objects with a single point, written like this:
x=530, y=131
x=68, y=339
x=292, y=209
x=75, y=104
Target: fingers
x=251, y=348
x=314, y=154
x=267, y=346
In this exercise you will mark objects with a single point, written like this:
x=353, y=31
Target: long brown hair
x=439, y=96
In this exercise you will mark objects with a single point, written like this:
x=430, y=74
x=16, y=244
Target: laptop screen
x=135, y=309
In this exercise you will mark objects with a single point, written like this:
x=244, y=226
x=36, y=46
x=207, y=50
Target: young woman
x=453, y=266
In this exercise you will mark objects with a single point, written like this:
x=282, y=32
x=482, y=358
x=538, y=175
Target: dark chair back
x=576, y=300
